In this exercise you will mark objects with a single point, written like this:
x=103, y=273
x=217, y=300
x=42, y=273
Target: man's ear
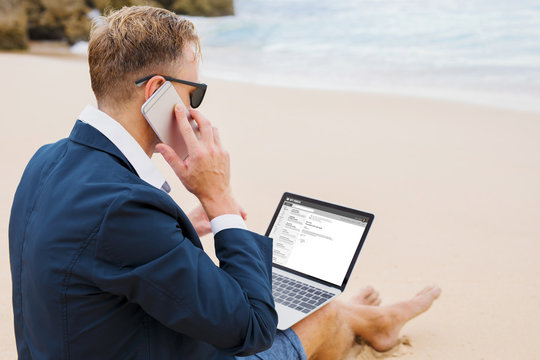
x=152, y=85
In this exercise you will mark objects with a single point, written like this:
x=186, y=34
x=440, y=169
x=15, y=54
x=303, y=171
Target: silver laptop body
x=315, y=247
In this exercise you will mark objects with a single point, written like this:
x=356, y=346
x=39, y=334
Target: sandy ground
x=454, y=187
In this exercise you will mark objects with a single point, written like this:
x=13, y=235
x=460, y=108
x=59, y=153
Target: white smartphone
x=158, y=110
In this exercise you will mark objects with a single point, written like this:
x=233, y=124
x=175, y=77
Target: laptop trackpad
x=287, y=317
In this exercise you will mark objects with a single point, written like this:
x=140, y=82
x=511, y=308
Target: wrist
x=219, y=204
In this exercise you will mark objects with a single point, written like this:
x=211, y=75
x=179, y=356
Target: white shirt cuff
x=227, y=221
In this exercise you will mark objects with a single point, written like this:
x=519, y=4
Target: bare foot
x=368, y=296
x=380, y=326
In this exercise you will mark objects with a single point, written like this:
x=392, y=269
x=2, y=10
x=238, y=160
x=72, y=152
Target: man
x=105, y=265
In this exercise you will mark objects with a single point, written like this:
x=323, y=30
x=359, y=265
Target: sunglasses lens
x=197, y=97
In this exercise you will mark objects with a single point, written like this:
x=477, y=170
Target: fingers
x=171, y=157
x=208, y=134
x=205, y=128
x=185, y=128
x=373, y=298
x=200, y=221
x=217, y=139
x=206, y=172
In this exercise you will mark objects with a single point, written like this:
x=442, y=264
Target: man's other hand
x=206, y=170
x=200, y=221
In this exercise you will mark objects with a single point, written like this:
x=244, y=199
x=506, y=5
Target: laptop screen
x=317, y=239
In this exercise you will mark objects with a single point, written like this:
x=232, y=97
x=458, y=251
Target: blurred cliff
x=69, y=20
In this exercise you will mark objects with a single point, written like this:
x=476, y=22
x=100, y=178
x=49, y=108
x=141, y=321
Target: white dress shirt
x=144, y=166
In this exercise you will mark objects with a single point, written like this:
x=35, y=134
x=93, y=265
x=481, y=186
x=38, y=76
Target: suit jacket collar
x=126, y=144
x=87, y=135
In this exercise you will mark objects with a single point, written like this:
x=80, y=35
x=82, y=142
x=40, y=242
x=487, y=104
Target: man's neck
x=133, y=121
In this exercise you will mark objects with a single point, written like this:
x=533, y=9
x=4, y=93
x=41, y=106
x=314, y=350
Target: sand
x=454, y=188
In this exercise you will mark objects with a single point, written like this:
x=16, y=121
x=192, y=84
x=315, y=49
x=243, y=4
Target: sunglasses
x=195, y=98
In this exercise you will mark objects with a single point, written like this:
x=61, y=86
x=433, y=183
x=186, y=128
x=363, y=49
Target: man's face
x=189, y=71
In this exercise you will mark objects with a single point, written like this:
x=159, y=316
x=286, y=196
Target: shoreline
x=60, y=49
x=499, y=101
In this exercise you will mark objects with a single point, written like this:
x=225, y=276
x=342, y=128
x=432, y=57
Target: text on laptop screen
x=316, y=240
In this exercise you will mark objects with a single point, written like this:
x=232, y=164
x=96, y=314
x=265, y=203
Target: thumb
x=171, y=157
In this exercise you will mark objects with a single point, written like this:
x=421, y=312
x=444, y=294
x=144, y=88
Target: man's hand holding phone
x=206, y=171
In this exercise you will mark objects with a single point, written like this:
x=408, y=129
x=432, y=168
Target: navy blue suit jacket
x=105, y=266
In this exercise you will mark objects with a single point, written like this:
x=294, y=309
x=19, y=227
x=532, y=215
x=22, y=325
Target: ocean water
x=485, y=51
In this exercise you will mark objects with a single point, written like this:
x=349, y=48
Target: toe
x=372, y=298
x=433, y=290
x=364, y=293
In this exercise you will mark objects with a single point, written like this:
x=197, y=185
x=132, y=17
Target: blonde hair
x=131, y=43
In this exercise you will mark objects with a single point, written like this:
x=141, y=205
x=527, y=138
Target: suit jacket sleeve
x=143, y=254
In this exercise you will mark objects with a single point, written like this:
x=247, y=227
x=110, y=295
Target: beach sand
x=454, y=188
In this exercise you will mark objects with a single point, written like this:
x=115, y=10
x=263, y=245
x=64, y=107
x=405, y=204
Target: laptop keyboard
x=297, y=295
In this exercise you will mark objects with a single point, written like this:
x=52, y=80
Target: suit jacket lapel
x=87, y=135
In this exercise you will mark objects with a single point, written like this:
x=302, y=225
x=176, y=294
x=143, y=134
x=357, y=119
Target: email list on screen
x=314, y=241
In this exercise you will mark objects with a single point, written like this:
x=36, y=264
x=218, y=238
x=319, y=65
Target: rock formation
x=13, y=20
x=200, y=7
x=68, y=19
x=58, y=19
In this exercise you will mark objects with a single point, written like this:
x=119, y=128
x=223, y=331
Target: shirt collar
x=123, y=140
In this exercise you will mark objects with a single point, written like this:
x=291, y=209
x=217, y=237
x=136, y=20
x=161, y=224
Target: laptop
x=316, y=245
